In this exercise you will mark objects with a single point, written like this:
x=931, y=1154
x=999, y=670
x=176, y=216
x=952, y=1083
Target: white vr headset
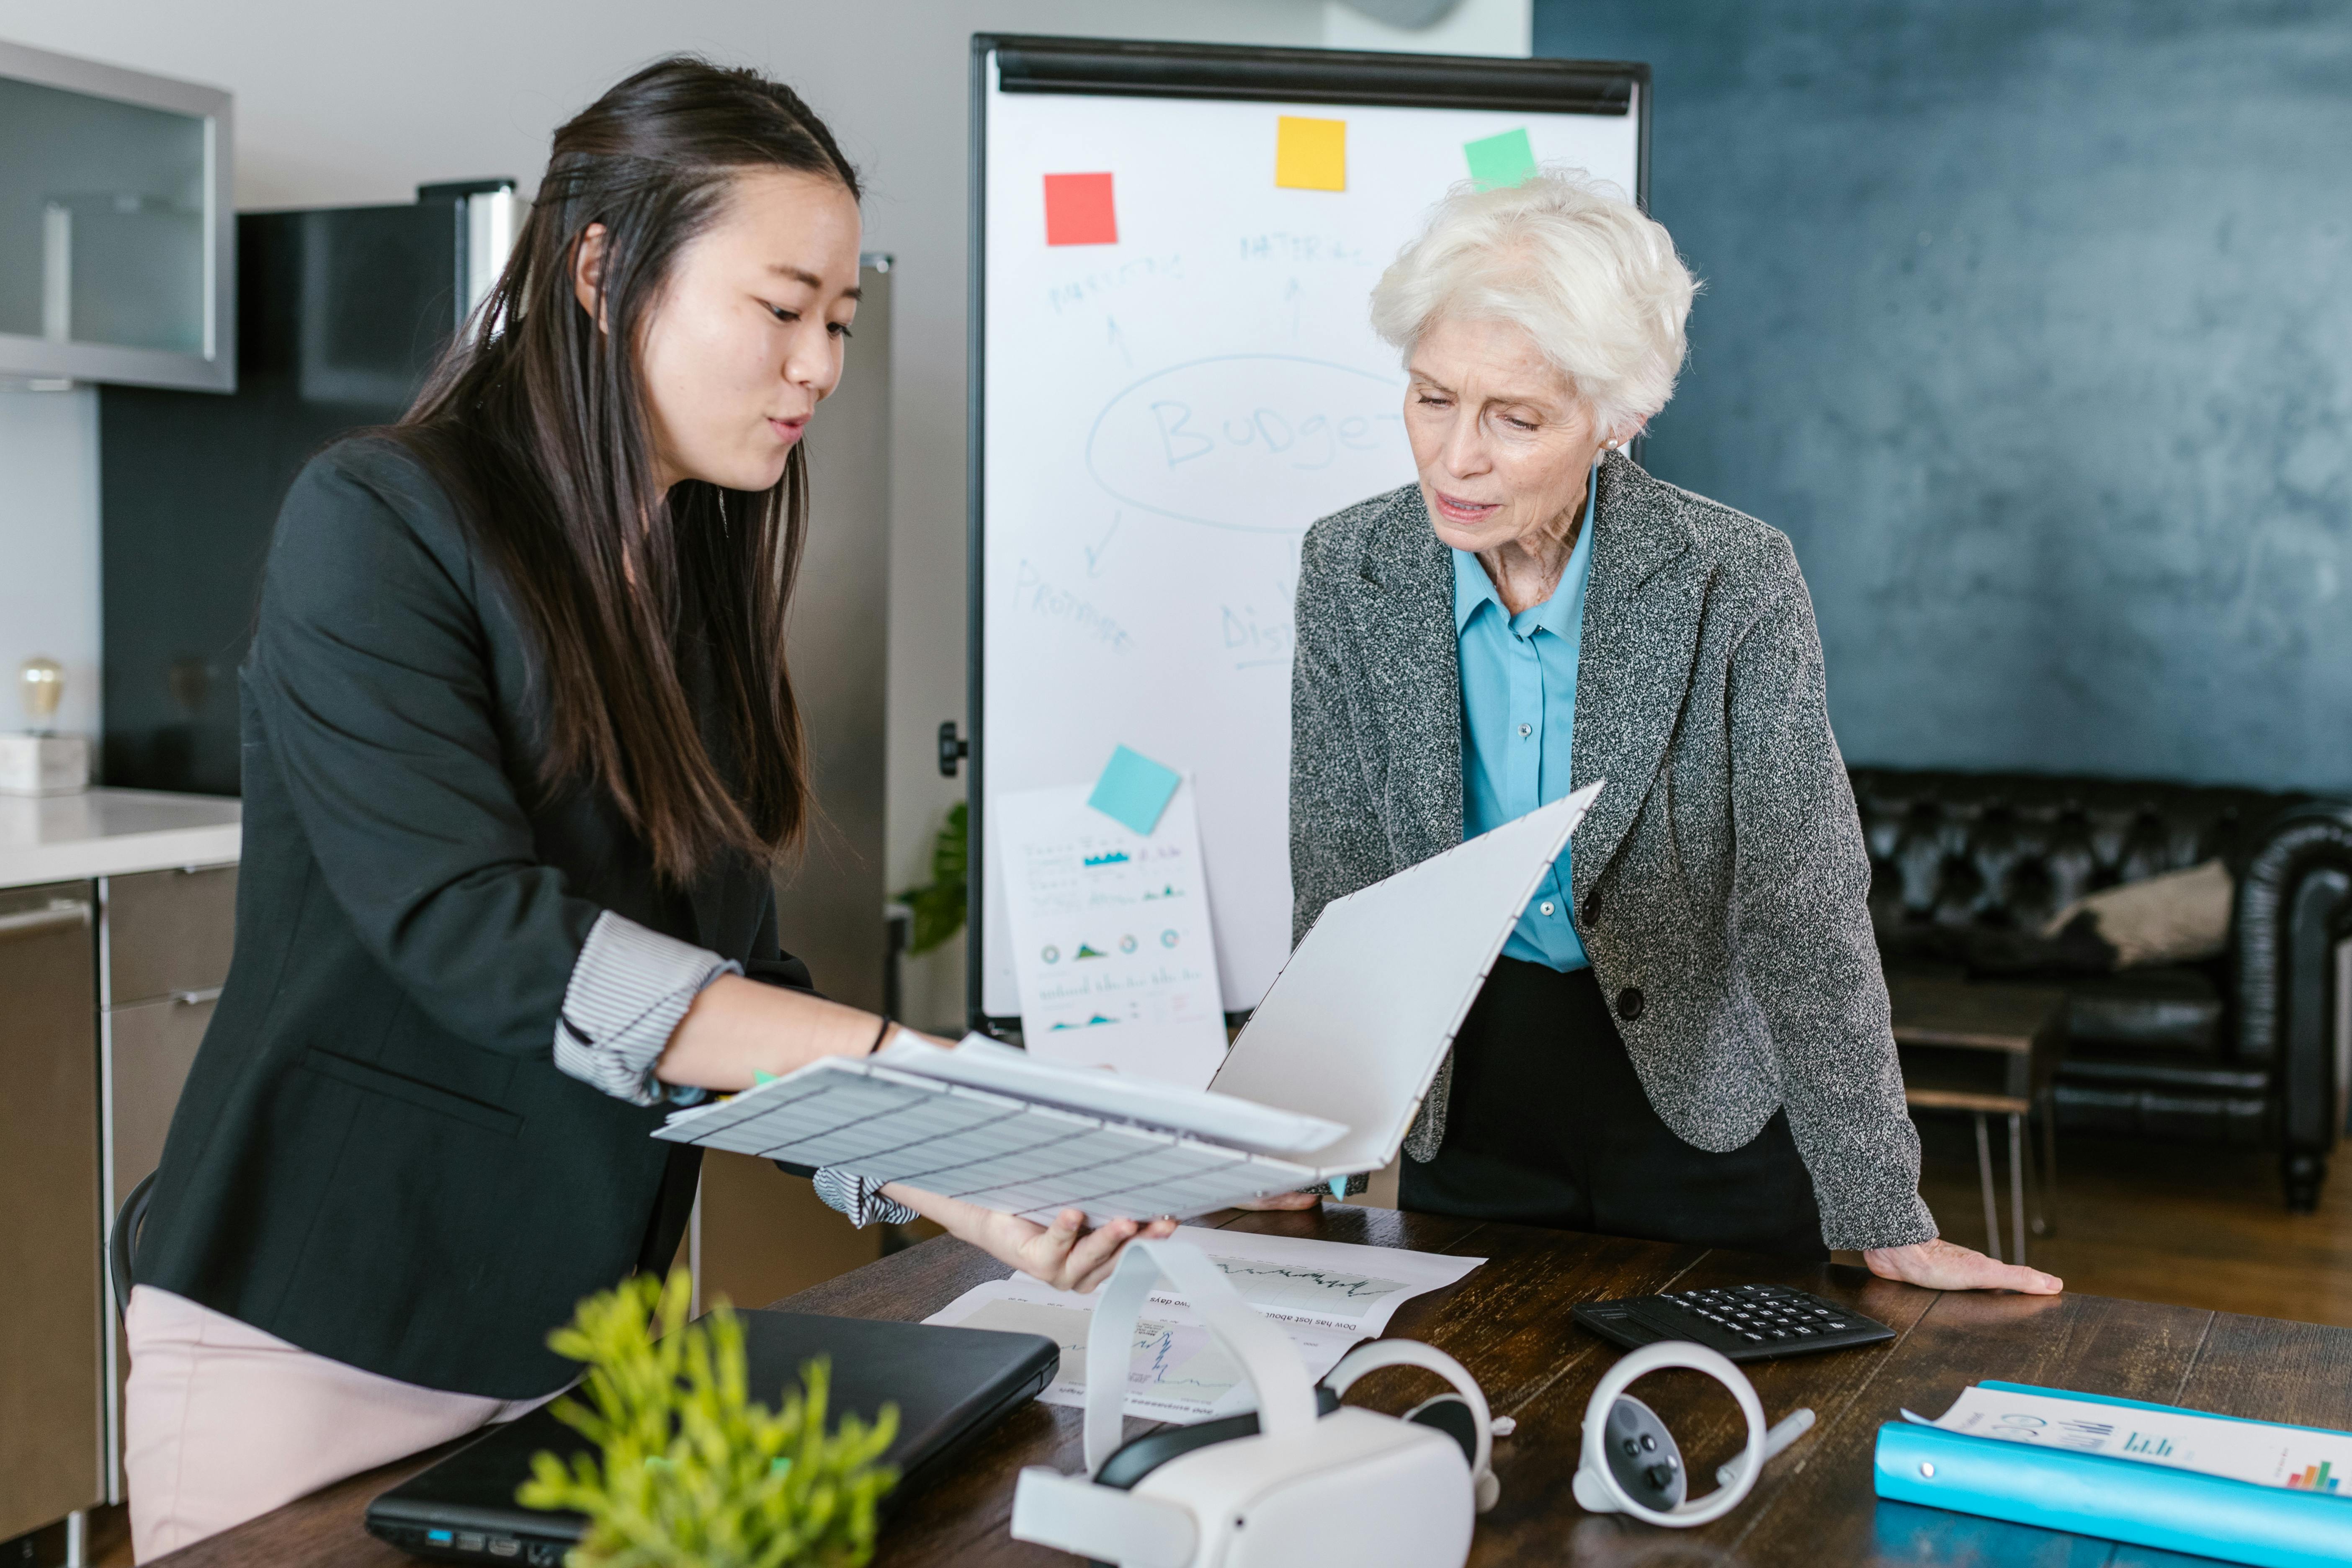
x=1302, y=1480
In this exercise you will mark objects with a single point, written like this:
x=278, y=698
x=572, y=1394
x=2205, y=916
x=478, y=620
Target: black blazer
x=375, y=1157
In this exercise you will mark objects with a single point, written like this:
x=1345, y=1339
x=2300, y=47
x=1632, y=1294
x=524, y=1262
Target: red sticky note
x=1078, y=210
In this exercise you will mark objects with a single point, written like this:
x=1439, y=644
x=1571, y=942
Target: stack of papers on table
x=2155, y=1474
x=1326, y=1295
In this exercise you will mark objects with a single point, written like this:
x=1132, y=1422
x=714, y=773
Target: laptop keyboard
x=1745, y=1322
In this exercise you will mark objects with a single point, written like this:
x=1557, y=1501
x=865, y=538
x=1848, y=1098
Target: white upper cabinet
x=117, y=235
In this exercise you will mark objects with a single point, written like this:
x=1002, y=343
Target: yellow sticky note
x=1310, y=154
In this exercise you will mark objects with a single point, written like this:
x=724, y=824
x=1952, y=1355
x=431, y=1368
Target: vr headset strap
x=1285, y=1401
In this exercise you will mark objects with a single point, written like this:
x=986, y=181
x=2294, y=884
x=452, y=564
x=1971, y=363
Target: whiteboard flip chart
x=1158, y=419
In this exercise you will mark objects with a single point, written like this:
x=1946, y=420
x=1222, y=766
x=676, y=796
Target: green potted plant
x=691, y=1472
x=938, y=906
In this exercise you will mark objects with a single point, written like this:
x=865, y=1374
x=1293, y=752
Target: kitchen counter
x=112, y=833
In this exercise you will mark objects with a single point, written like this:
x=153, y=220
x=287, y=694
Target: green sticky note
x=1133, y=790
x=1497, y=162
x=758, y=1077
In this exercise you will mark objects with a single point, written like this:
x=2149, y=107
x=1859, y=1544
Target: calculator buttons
x=1745, y=1322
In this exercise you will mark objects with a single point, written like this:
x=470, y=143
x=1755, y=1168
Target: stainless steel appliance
x=341, y=312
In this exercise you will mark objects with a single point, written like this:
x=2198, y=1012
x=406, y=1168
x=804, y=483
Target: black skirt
x=1547, y=1125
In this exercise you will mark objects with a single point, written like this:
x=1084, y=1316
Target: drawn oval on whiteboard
x=1264, y=443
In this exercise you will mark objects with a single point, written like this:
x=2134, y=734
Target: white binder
x=1324, y=1082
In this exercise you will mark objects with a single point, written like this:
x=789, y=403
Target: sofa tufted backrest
x=2008, y=850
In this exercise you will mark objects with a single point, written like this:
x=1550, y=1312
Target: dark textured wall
x=2031, y=325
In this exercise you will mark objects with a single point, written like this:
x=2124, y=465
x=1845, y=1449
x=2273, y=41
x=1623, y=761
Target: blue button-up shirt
x=1518, y=724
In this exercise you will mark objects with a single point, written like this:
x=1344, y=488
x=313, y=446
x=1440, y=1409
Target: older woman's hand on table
x=1941, y=1265
x=1938, y=1265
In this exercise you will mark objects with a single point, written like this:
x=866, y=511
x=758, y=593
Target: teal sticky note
x=1497, y=162
x=1133, y=790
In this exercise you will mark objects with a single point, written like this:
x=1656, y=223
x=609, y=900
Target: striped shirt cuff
x=860, y=1198
x=627, y=993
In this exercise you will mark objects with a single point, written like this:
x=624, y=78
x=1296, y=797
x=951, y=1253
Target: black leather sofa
x=2247, y=1048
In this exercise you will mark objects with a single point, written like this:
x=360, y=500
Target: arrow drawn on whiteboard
x=1095, y=551
x=1119, y=342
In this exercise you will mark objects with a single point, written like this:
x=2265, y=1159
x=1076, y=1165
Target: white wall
x=48, y=547
x=1472, y=28
x=339, y=102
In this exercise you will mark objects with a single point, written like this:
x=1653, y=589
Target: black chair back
x=124, y=1237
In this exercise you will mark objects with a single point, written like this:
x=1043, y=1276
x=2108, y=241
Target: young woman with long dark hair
x=520, y=748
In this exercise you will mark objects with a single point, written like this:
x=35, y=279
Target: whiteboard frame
x=1115, y=68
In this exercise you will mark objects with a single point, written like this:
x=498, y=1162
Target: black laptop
x=950, y=1385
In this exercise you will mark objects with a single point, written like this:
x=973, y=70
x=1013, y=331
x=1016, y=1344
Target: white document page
x=1179, y=1373
x=1355, y=1026
x=980, y=1062
x=2256, y=1451
x=1336, y=1285
x=1326, y=1295
x=1111, y=941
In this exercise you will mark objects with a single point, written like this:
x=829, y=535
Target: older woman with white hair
x=1686, y=1036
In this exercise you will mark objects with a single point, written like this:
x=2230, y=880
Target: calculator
x=1746, y=1322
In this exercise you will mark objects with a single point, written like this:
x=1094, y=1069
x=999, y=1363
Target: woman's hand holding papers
x=1941, y=1265
x=1065, y=1254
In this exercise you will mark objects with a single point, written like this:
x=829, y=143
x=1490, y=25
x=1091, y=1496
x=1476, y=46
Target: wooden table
x=1988, y=1049
x=1508, y=1322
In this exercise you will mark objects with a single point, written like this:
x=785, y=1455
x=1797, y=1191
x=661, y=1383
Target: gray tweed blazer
x=1721, y=875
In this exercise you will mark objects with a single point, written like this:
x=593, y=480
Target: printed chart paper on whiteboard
x=1111, y=936
x=1177, y=378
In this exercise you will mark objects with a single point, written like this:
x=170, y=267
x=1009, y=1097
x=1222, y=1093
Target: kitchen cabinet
x=163, y=944
x=106, y=986
x=52, y=1439
x=117, y=239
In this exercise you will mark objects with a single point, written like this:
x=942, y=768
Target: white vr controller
x=1303, y=1480
x=1632, y=1464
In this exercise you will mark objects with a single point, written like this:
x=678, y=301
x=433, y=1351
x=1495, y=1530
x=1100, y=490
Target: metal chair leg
x=1984, y=1175
x=2038, y=1176
x=2048, y=1192
x=2017, y=1186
